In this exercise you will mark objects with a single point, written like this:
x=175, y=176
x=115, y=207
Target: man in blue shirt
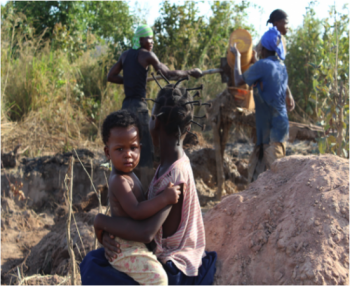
x=269, y=78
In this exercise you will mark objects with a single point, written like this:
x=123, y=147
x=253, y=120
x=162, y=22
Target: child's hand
x=172, y=193
x=112, y=247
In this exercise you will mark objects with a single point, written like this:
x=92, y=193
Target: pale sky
x=294, y=8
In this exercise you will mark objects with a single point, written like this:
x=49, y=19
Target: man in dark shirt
x=135, y=64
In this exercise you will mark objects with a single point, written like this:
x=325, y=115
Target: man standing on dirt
x=269, y=78
x=135, y=64
x=279, y=19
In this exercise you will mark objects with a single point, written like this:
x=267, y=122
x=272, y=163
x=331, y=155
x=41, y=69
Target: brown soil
x=21, y=230
x=50, y=255
x=287, y=232
x=204, y=171
x=37, y=243
x=291, y=226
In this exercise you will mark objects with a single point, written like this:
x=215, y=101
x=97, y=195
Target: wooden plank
x=219, y=162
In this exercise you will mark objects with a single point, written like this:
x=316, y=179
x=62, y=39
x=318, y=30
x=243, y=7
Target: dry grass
x=50, y=104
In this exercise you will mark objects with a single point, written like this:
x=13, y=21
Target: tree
x=331, y=84
x=189, y=39
x=304, y=47
x=111, y=21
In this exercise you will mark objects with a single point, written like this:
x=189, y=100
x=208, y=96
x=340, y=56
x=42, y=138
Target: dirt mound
x=291, y=226
x=194, y=139
x=50, y=255
x=203, y=164
x=43, y=177
x=91, y=201
x=21, y=230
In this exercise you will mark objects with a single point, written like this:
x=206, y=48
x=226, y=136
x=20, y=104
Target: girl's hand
x=172, y=193
x=112, y=247
x=234, y=50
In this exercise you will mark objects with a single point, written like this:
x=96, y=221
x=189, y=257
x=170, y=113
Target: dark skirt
x=96, y=270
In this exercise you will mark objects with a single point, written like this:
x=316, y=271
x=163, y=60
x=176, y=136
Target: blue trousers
x=96, y=270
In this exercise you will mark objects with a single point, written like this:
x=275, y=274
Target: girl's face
x=153, y=127
x=123, y=148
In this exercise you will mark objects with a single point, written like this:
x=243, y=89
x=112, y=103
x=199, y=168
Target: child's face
x=123, y=148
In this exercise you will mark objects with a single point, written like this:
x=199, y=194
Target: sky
x=258, y=17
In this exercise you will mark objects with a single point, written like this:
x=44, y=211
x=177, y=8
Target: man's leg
x=274, y=151
x=147, y=151
x=256, y=166
x=144, y=170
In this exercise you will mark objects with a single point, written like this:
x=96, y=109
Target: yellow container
x=244, y=45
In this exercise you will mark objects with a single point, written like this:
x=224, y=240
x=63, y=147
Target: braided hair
x=175, y=107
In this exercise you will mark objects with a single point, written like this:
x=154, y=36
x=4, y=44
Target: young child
x=121, y=136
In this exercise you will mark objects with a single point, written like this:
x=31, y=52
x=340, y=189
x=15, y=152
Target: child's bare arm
x=142, y=210
x=127, y=228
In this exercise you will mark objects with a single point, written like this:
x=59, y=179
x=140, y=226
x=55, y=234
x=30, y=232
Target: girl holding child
x=171, y=216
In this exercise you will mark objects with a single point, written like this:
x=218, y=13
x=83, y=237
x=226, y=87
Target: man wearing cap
x=135, y=64
x=269, y=78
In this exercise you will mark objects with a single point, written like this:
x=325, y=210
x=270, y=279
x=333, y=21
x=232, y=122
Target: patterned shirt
x=186, y=246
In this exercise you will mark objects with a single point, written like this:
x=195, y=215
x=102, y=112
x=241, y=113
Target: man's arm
x=127, y=228
x=289, y=100
x=113, y=75
x=151, y=59
x=239, y=80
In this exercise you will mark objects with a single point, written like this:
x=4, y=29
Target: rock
x=203, y=164
x=287, y=227
x=91, y=200
x=3, y=227
x=43, y=177
x=8, y=204
x=242, y=168
x=9, y=160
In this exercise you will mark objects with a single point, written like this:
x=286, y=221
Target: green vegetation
x=318, y=67
x=56, y=55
